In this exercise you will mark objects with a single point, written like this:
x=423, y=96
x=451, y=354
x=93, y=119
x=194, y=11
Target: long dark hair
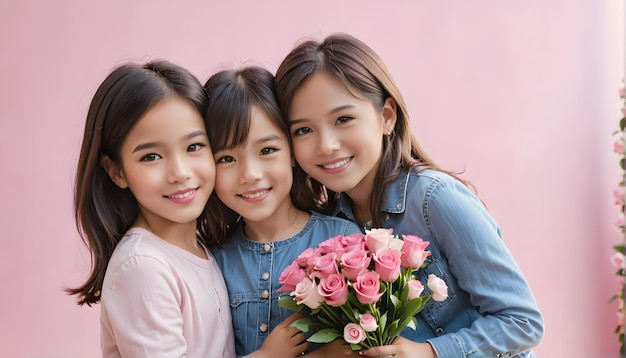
x=353, y=63
x=232, y=94
x=103, y=211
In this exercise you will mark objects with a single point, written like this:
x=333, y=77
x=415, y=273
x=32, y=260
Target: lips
x=182, y=195
x=337, y=165
x=254, y=195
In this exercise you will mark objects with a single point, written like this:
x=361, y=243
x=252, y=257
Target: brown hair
x=354, y=64
x=232, y=94
x=103, y=211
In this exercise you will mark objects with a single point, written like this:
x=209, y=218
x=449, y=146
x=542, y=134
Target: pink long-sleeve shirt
x=159, y=300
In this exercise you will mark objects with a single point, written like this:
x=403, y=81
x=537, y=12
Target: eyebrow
x=155, y=144
x=332, y=111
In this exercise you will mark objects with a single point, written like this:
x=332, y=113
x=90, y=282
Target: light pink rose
x=334, y=289
x=324, y=265
x=353, y=242
x=618, y=147
x=367, y=287
x=353, y=333
x=306, y=293
x=618, y=259
x=368, y=322
x=388, y=264
x=291, y=276
x=620, y=221
x=353, y=263
x=622, y=92
x=415, y=289
x=334, y=245
x=619, y=197
x=413, y=251
x=378, y=239
x=439, y=288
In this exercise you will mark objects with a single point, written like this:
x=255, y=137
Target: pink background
x=520, y=94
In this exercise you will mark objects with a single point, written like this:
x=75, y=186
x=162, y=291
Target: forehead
x=321, y=93
x=170, y=119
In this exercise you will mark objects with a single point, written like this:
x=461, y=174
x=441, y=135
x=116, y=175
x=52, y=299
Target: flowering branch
x=618, y=259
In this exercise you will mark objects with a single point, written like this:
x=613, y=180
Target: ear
x=390, y=115
x=114, y=171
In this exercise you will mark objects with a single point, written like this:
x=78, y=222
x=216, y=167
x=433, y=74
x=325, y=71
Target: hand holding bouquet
x=360, y=287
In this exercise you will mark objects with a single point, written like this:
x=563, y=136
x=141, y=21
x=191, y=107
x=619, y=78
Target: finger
x=291, y=318
x=378, y=351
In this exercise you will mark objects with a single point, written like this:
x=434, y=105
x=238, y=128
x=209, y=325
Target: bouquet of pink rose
x=360, y=287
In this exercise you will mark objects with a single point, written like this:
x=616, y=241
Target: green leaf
x=413, y=323
x=325, y=335
x=412, y=307
x=355, y=347
x=289, y=303
x=622, y=123
x=306, y=324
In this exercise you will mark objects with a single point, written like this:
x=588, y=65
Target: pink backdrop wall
x=521, y=94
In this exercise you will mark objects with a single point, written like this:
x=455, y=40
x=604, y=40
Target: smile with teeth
x=255, y=195
x=336, y=164
x=182, y=195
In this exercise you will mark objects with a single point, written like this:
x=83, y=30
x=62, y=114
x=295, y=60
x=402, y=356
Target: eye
x=301, y=131
x=344, y=119
x=268, y=150
x=224, y=159
x=150, y=157
x=195, y=147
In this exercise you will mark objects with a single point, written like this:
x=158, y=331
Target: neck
x=181, y=235
x=278, y=227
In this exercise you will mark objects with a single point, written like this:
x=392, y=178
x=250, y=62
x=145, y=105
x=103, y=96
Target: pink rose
x=368, y=322
x=291, y=276
x=620, y=221
x=324, y=265
x=619, y=197
x=413, y=251
x=388, y=264
x=439, y=288
x=303, y=258
x=354, y=262
x=367, y=286
x=334, y=289
x=415, y=289
x=618, y=147
x=353, y=333
x=353, y=242
x=378, y=239
x=333, y=245
x=306, y=293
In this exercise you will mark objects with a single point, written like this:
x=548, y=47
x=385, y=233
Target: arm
x=141, y=311
x=483, y=266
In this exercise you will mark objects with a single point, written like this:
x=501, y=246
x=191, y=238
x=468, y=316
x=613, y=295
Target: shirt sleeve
x=141, y=311
x=470, y=239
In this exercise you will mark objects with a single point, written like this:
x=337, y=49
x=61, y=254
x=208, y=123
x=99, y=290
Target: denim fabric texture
x=491, y=310
x=252, y=269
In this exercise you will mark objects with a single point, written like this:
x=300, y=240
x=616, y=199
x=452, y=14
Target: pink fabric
x=159, y=300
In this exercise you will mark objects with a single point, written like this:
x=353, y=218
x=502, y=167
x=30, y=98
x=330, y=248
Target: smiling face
x=337, y=137
x=254, y=179
x=167, y=164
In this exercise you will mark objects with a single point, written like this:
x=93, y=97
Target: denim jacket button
x=263, y=328
x=265, y=276
x=265, y=294
x=439, y=330
x=267, y=247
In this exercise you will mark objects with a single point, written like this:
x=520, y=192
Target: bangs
x=228, y=120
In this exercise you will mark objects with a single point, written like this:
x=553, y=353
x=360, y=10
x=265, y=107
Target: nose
x=250, y=171
x=327, y=143
x=179, y=170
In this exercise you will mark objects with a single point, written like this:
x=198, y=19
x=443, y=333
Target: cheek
x=223, y=181
x=302, y=152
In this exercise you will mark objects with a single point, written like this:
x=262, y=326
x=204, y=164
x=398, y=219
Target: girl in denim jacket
x=350, y=132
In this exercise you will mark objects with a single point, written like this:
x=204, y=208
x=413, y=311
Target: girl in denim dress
x=350, y=132
x=265, y=211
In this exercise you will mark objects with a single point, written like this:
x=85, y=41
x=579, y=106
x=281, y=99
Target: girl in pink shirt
x=144, y=177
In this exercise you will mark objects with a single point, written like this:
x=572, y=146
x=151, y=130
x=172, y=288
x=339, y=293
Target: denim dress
x=490, y=310
x=252, y=269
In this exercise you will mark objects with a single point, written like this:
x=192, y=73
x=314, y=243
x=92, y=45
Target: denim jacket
x=490, y=310
x=251, y=270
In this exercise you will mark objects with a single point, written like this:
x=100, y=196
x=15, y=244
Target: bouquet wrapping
x=360, y=287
